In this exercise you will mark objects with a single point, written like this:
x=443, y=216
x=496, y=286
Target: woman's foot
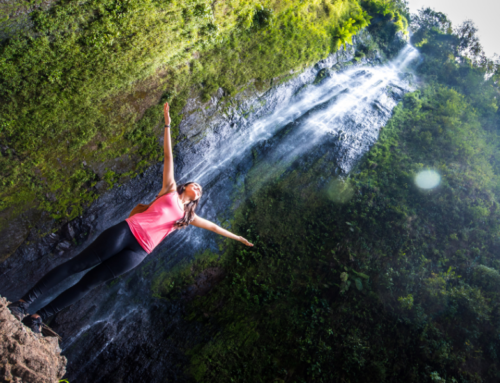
x=34, y=322
x=19, y=309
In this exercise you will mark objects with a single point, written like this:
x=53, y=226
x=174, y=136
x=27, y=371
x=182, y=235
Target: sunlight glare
x=427, y=179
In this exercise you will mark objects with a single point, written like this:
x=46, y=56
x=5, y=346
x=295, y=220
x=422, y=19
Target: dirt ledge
x=26, y=357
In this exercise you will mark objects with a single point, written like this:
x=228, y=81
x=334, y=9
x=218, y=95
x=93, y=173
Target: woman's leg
x=118, y=264
x=110, y=242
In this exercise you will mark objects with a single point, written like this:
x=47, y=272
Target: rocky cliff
x=122, y=331
x=26, y=357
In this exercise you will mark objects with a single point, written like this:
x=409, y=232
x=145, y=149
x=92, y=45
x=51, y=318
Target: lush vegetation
x=371, y=279
x=81, y=82
x=366, y=278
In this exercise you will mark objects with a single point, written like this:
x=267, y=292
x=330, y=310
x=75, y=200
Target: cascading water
x=348, y=109
x=358, y=105
x=122, y=325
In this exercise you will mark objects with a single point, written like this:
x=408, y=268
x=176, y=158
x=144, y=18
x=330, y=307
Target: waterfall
x=347, y=109
x=342, y=112
x=355, y=103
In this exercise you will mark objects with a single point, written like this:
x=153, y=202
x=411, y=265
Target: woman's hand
x=243, y=240
x=166, y=109
x=207, y=225
x=168, y=162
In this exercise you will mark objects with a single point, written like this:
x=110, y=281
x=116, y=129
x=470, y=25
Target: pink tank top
x=153, y=225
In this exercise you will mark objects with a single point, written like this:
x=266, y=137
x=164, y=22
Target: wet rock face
x=144, y=345
x=120, y=331
x=35, y=258
x=26, y=357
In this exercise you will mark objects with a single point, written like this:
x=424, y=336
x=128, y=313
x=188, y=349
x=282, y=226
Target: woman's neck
x=184, y=199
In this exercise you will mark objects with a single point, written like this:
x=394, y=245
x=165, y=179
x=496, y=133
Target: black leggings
x=115, y=252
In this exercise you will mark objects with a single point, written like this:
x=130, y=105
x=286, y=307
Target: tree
x=428, y=18
x=469, y=45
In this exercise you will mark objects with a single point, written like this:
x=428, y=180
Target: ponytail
x=188, y=209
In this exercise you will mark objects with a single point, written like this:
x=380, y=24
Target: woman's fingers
x=246, y=242
x=166, y=109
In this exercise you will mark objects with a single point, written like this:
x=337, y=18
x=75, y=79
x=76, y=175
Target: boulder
x=26, y=357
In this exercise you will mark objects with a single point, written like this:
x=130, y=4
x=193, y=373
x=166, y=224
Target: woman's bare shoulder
x=168, y=190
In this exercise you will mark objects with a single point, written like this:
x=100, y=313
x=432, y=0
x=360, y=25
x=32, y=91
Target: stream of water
x=347, y=109
x=343, y=112
x=358, y=103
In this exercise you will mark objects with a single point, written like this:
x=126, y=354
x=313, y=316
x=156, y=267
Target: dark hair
x=188, y=208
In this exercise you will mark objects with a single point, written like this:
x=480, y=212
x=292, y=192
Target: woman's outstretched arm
x=206, y=224
x=169, y=184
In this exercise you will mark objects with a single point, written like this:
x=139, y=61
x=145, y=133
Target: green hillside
x=81, y=83
x=367, y=279
x=371, y=279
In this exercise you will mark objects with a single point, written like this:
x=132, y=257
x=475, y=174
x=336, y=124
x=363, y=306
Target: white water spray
x=360, y=101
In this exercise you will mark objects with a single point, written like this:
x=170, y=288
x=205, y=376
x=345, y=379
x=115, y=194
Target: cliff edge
x=26, y=357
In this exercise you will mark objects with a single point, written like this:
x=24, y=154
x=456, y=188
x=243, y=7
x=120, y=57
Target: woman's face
x=193, y=191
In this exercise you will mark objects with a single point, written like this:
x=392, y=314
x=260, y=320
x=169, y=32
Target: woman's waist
x=149, y=237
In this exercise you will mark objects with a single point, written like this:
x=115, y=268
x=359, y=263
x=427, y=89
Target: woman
x=123, y=246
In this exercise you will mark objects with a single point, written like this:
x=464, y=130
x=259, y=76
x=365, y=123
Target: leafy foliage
x=351, y=27
x=387, y=19
x=390, y=10
x=387, y=283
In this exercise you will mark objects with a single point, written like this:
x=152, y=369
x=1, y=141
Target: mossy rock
x=322, y=75
x=336, y=68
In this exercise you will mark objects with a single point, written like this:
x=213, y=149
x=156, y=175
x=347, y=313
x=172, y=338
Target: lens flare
x=340, y=191
x=427, y=179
